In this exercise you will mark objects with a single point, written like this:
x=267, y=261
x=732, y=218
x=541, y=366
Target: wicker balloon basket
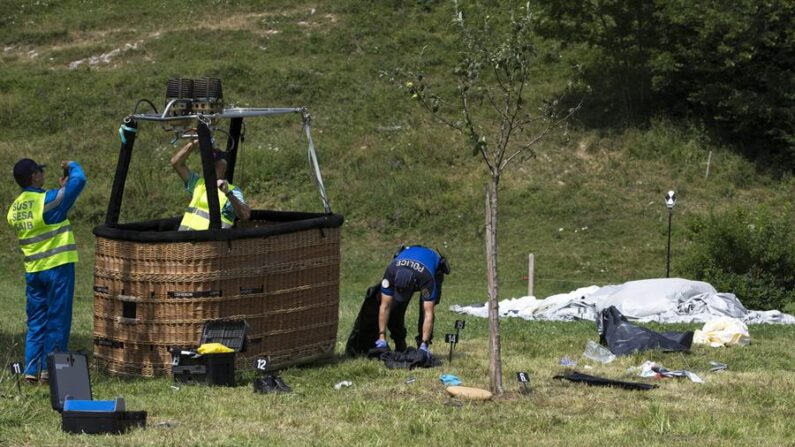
x=154, y=289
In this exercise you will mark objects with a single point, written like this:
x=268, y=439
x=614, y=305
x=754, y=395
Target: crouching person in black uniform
x=414, y=269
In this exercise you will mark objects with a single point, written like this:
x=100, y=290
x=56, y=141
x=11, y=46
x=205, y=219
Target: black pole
x=456, y=342
x=128, y=130
x=208, y=169
x=668, y=258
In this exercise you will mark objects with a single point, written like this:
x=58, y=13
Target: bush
x=728, y=67
x=748, y=253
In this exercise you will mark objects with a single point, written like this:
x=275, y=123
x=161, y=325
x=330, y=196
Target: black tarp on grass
x=623, y=338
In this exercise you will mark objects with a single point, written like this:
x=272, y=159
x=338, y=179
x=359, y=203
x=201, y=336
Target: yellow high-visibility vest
x=44, y=245
x=197, y=217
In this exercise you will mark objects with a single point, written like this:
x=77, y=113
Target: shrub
x=749, y=253
x=729, y=67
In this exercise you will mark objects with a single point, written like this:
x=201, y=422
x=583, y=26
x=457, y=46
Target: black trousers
x=397, y=324
x=365, y=328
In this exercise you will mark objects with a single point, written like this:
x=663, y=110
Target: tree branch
x=428, y=107
x=512, y=107
x=473, y=134
x=541, y=135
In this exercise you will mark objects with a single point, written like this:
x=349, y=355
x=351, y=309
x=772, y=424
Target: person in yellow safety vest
x=230, y=197
x=48, y=244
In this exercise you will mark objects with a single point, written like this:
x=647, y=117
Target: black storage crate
x=212, y=369
x=97, y=422
x=209, y=369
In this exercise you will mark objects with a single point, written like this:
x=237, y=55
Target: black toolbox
x=211, y=369
x=70, y=394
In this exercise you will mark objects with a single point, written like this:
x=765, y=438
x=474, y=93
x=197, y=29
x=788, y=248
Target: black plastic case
x=212, y=369
x=68, y=375
x=230, y=333
x=98, y=422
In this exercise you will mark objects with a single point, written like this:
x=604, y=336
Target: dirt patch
x=254, y=23
x=584, y=148
x=105, y=58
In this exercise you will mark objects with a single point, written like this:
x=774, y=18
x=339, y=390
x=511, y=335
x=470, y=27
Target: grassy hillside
x=590, y=206
x=394, y=175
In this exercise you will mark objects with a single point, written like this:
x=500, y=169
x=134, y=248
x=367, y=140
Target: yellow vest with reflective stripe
x=44, y=246
x=197, y=217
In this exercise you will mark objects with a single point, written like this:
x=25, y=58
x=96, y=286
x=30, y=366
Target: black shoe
x=264, y=385
x=280, y=385
x=270, y=384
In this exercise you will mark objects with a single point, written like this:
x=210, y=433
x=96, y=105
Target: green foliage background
x=750, y=252
x=727, y=66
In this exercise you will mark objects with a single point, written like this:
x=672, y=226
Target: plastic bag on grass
x=598, y=353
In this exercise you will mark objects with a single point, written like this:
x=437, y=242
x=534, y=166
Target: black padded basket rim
x=165, y=230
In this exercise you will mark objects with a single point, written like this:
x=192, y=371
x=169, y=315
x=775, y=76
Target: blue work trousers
x=49, y=308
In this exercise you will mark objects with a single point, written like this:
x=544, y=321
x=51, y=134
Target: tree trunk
x=495, y=361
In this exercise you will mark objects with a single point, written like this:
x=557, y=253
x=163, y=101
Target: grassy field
x=749, y=404
x=590, y=207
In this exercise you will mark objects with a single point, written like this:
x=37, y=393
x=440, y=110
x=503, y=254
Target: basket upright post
x=127, y=132
x=208, y=168
x=232, y=145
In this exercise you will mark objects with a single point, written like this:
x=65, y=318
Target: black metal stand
x=668, y=257
x=453, y=340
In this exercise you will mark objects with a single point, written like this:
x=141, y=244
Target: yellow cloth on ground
x=723, y=331
x=213, y=348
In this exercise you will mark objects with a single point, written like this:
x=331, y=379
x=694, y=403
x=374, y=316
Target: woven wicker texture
x=151, y=297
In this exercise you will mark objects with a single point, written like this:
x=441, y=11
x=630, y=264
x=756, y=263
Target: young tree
x=494, y=107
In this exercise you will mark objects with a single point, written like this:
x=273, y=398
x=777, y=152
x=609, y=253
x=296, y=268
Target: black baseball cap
x=23, y=171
